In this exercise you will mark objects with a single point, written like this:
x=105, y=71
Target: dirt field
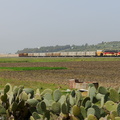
x=106, y=73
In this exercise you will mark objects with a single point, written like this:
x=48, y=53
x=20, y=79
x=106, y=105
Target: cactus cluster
x=19, y=103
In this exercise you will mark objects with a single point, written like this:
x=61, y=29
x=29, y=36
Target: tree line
x=114, y=45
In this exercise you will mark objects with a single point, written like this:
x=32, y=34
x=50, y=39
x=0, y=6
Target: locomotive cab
x=99, y=53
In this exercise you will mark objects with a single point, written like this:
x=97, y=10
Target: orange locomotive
x=110, y=53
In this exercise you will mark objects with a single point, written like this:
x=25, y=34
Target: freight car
x=23, y=54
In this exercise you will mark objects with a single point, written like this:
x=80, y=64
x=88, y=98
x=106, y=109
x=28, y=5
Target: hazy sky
x=36, y=23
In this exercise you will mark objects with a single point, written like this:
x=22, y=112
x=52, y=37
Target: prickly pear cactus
x=36, y=116
x=74, y=118
x=47, y=115
x=38, y=108
x=110, y=106
x=4, y=98
x=85, y=100
x=7, y=88
x=47, y=96
x=56, y=107
x=65, y=109
x=62, y=99
x=29, y=91
x=97, y=111
x=102, y=90
x=103, y=112
x=73, y=93
x=46, y=91
x=32, y=102
x=83, y=112
x=71, y=100
x=113, y=114
x=101, y=104
x=18, y=91
x=118, y=109
x=23, y=96
x=14, y=106
x=90, y=111
x=37, y=95
x=88, y=104
x=2, y=110
x=114, y=95
x=56, y=95
x=92, y=93
x=91, y=117
x=42, y=111
x=76, y=110
x=32, y=118
x=117, y=118
x=43, y=106
x=79, y=98
x=99, y=96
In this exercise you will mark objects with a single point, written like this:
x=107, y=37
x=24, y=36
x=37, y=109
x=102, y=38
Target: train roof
x=110, y=50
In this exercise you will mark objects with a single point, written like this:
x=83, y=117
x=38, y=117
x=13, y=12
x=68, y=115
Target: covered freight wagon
x=23, y=54
x=90, y=53
x=72, y=54
x=49, y=54
x=36, y=54
x=56, y=54
x=30, y=54
x=42, y=54
x=64, y=54
x=81, y=54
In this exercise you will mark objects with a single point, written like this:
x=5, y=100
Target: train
x=98, y=53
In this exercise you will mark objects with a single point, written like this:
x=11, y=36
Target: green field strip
x=31, y=68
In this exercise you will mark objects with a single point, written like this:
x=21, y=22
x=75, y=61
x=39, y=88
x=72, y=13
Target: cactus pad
x=110, y=106
x=76, y=110
x=56, y=95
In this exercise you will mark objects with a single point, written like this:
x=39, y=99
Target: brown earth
x=106, y=73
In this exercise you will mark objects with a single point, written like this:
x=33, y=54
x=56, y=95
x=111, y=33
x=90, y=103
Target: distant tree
x=102, y=42
x=86, y=45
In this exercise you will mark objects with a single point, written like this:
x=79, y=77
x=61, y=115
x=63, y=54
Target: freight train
x=98, y=53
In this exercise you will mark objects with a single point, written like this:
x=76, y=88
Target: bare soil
x=106, y=73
